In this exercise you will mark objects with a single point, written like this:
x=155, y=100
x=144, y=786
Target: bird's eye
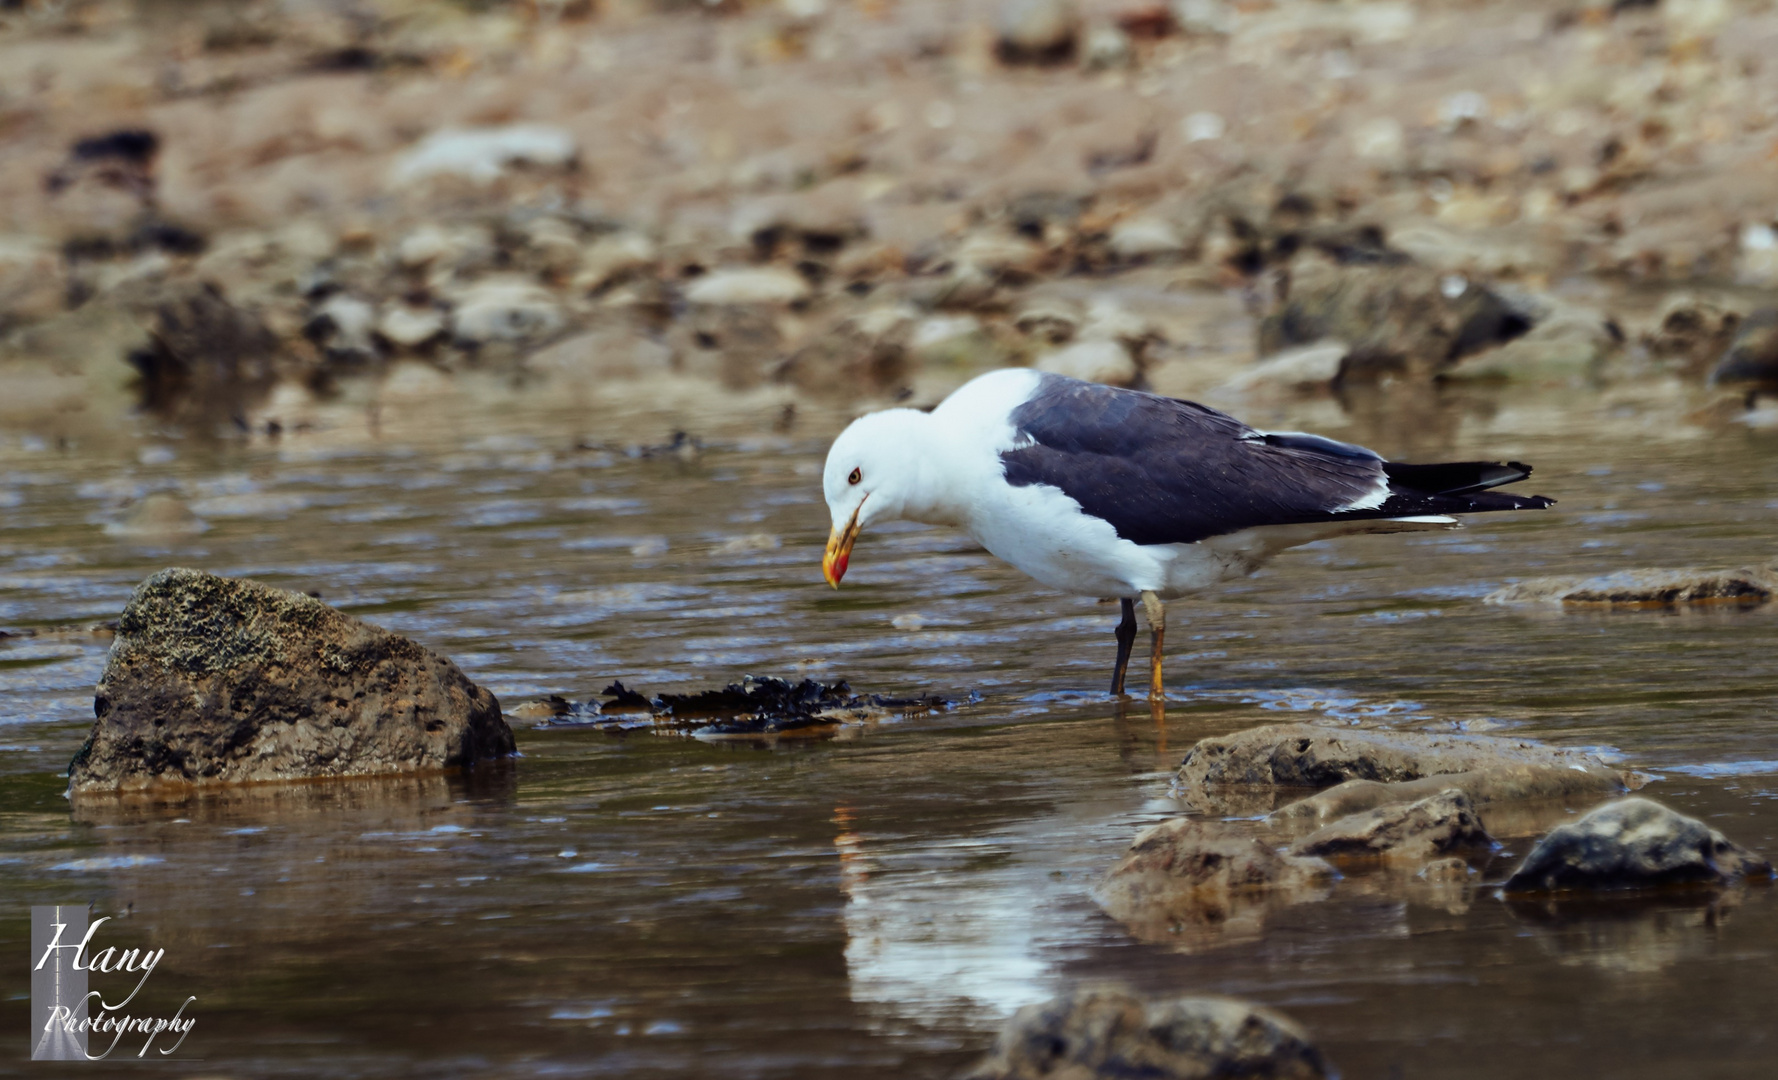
x=855, y=477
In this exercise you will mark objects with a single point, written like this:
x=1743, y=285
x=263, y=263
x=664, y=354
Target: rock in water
x=1305, y=755
x=1107, y=1032
x=214, y=679
x=1645, y=588
x=1417, y=830
x=1634, y=843
x=1189, y=871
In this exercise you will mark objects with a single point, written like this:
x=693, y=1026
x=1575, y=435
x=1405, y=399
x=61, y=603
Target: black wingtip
x=1455, y=478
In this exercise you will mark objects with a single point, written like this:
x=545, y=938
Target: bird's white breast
x=1037, y=528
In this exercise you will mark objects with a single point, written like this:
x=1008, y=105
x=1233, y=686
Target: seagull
x=1099, y=491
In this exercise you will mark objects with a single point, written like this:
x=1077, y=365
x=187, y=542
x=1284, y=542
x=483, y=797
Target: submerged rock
x=753, y=706
x=215, y=679
x=1500, y=784
x=1634, y=843
x=1189, y=871
x=1645, y=588
x=1108, y=1032
x=1417, y=830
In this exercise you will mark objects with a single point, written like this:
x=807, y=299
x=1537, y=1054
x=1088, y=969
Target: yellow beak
x=839, y=550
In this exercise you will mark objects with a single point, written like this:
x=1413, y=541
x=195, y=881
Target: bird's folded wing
x=1163, y=471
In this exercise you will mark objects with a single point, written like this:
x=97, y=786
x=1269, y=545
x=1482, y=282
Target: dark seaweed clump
x=753, y=706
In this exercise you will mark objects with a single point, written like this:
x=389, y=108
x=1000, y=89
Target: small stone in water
x=752, y=706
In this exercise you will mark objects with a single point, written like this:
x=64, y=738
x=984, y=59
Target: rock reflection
x=268, y=871
x=1628, y=935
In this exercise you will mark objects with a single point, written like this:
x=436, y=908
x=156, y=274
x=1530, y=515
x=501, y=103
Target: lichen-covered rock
x=1192, y=871
x=1634, y=843
x=1108, y=1032
x=1304, y=755
x=1645, y=588
x=214, y=679
x=1410, y=831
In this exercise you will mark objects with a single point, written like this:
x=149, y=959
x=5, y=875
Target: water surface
x=874, y=905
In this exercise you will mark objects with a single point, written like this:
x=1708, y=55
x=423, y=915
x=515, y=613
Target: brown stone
x=215, y=680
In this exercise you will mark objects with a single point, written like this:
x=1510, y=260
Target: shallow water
x=877, y=904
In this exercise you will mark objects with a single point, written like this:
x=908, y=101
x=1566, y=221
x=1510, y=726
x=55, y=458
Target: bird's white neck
x=926, y=490
x=953, y=452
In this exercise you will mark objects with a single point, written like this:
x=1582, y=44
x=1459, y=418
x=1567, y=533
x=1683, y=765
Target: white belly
x=1043, y=532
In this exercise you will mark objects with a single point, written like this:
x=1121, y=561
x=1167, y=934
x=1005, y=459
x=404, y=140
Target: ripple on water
x=917, y=880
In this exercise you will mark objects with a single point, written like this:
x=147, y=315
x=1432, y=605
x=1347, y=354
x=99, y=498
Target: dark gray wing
x=1163, y=471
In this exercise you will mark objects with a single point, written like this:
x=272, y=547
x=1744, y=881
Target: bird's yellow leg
x=1157, y=626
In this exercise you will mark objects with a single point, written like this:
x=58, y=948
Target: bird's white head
x=872, y=474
